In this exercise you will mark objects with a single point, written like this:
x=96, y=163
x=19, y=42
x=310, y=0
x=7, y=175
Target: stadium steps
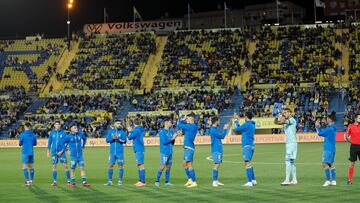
x=35, y=105
x=122, y=113
x=151, y=68
x=2, y=60
x=63, y=64
x=226, y=115
x=242, y=79
x=338, y=105
x=345, y=63
x=251, y=48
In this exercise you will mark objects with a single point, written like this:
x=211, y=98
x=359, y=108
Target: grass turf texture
x=268, y=165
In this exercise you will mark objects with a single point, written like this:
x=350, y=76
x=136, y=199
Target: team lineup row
x=60, y=143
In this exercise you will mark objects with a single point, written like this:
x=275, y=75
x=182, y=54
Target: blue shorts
x=55, y=159
x=290, y=151
x=188, y=155
x=248, y=152
x=76, y=160
x=116, y=158
x=217, y=157
x=166, y=160
x=139, y=156
x=328, y=157
x=27, y=159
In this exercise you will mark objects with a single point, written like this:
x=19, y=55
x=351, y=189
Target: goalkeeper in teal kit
x=289, y=124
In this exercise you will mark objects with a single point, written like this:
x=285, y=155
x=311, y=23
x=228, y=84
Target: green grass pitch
x=268, y=164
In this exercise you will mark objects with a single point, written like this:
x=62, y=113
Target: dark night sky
x=26, y=17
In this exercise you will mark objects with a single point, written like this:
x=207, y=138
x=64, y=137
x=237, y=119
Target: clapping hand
x=235, y=116
x=115, y=136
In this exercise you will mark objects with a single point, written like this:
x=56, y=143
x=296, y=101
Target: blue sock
x=327, y=174
x=67, y=172
x=54, y=175
x=333, y=173
x=26, y=174
x=83, y=179
x=215, y=174
x=249, y=174
x=32, y=173
x=252, y=173
x=73, y=179
x=158, y=175
x=192, y=174
x=110, y=173
x=187, y=173
x=167, y=176
x=121, y=174
x=142, y=175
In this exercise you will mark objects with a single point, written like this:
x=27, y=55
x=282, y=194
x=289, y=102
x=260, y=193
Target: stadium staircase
x=63, y=64
x=345, y=56
x=2, y=60
x=151, y=67
x=345, y=63
x=338, y=105
x=226, y=115
x=35, y=106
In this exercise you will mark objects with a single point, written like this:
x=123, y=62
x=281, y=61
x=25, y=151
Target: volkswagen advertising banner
x=144, y=26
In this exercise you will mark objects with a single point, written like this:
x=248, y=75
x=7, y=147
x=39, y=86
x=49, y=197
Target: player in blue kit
x=76, y=141
x=117, y=138
x=187, y=124
x=55, y=148
x=137, y=135
x=167, y=140
x=329, y=134
x=217, y=148
x=27, y=142
x=247, y=130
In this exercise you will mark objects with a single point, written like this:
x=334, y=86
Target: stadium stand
x=13, y=102
x=308, y=104
x=202, y=58
x=110, y=62
x=186, y=100
x=295, y=54
x=196, y=71
x=29, y=63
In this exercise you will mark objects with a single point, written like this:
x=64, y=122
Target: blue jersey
x=56, y=141
x=247, y=130
x=76, y=143
x=116, y=145
x=137, y=135
x=190, y=133
x=216, y=137
x=27, y=141
x=166, y=141
x=329, y=133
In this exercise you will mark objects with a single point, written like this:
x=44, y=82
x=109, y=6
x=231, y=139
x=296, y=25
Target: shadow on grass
x=42, y=194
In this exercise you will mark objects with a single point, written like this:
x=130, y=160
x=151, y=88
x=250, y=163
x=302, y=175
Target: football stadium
x=179, y=101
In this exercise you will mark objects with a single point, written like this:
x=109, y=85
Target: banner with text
x=199, y=140
x=144, y=26
x=263, y=123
